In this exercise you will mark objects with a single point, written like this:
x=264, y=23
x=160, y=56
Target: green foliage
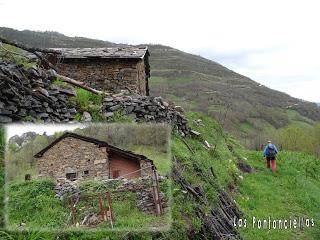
x=84, y=98
x=159, y=155
x=27, y=119
x=299, y=138
x=59, y=82
x=13, y=54
x=222, y=162
x=2, y=175
x=29, y=200
x=288, y=192
x=120, y=117
x=87, y=102
x=21, y=162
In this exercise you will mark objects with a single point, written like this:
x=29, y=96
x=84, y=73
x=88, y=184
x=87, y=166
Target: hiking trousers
x=273, y=164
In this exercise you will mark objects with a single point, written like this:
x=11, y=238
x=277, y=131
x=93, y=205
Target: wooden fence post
x=101, y=207
x=73, y=211
x=156, y=194
x=110, y=209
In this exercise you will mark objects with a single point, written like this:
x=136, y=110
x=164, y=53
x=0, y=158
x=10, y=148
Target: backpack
x=271, y=151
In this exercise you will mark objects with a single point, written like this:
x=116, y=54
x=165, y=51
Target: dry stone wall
x=145, y=109
x=17, y=104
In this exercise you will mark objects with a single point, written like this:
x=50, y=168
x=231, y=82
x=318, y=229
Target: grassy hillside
x=294, y=191
x=191, y=165
x=199, y=84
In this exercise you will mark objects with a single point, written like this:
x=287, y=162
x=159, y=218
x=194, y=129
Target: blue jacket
x=266, y=149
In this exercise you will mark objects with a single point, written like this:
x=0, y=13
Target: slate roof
x=121, y=52
x=110, y=148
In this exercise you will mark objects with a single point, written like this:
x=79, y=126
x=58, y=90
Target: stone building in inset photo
x=73, y=157
x=109, y=69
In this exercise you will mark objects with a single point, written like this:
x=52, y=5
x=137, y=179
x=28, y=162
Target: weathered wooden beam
x=79, y=84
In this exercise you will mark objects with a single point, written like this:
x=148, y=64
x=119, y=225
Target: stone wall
x=112, y=75
x=48, y=103
x=146, y=109
x=71, y=155
x=146, y=168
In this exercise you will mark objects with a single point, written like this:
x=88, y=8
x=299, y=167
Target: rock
x=146, y=109
x=43, y=91
x=43, y=115
x=108, y=99
x=195, y=133
x=114, y=108
x=5, y=111
x=12, y=108
x=90, y=220
x=179, y=109
x=206, y=144
x=86, y=117
x=108, y=114
x=165, y=104
x=68, y=91
x=5, y=119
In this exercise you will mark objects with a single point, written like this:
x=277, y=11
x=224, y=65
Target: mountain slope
x=242, y=105
x=292, y=192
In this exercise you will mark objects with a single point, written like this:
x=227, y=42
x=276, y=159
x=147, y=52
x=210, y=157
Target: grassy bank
x=33, y=206
x=293, y=191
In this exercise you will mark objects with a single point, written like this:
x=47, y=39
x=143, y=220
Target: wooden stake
x=109, y=205
x=155, y=189
x=101, y=207
x=73, y=211
x=158, y=191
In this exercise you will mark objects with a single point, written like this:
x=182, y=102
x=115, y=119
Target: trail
x=292, y=192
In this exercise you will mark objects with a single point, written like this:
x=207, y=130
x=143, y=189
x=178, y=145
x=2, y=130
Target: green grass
x=33, y=204
x=86, y=101
x=293, y=191
x=246, y=127
x=161, y=158
x=157, y=81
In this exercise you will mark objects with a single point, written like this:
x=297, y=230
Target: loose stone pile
x=66, y=187
x=145, y=201
x=32, y=96
x=146, y=109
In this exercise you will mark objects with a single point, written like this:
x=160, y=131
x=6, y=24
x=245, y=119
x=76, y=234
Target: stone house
x=73, y=156
x=109, y=69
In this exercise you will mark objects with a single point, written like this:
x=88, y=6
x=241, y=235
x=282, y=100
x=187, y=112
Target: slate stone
x=5, y=119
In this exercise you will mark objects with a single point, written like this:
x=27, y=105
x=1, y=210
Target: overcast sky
x=276, y=43
x=49, y=129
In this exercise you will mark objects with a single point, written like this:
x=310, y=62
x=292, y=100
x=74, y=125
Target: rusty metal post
x=73, y=211
x=101, y=207
x=109, y=206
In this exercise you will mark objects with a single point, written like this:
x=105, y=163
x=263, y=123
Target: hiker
x=270, y=152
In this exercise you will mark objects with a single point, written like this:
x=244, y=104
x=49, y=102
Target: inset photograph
x=93, y=176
